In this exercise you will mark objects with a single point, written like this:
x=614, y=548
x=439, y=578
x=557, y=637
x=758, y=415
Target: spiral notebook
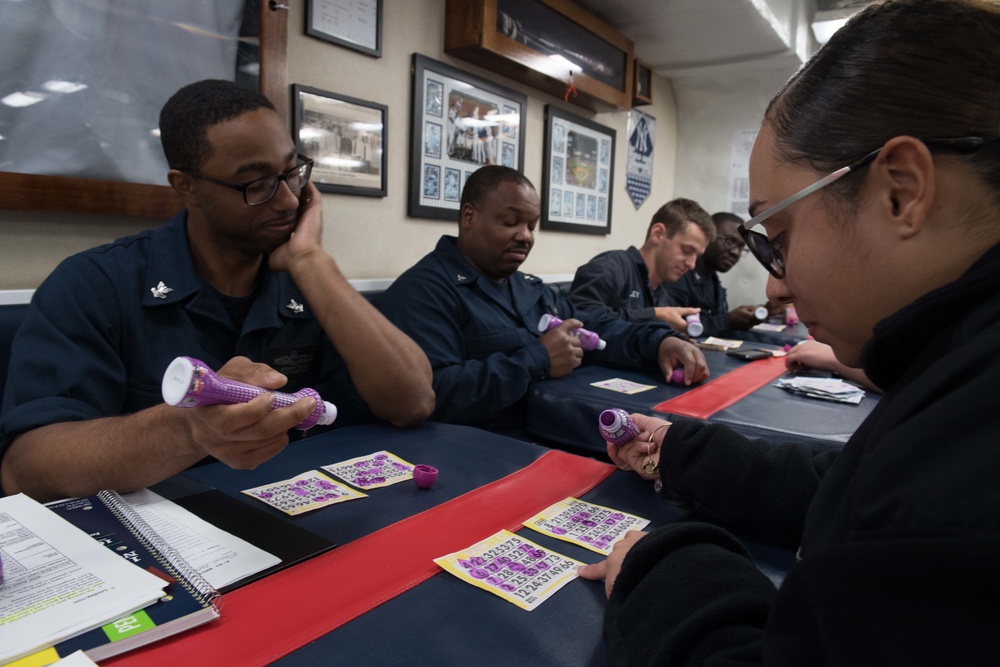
x=189, y=600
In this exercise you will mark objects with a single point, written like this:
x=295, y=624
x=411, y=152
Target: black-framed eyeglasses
x=732, y=243
x=261, y=190
x=771, y=257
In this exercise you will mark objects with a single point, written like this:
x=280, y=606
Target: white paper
x=58, y=581
x=220, y=557
x=76, y=659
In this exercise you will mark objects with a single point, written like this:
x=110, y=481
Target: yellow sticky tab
x=40, y=659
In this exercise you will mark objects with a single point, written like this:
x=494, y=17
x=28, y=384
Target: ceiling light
x=63, y=86
x=20, y=99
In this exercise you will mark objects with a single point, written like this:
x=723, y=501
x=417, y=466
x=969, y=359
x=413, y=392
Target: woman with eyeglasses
x=875, y=189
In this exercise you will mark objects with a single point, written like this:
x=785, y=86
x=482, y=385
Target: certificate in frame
x=346, y=138
x=354, y=24
x=578, y=174
x=459, y=123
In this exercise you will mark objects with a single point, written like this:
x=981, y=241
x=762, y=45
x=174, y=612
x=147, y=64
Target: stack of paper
x=58, y=581
x=220, y=557
x=828, y=389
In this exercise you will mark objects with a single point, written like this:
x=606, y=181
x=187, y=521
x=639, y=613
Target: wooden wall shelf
x=546, y=44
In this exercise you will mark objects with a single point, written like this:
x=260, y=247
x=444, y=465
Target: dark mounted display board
x=552, y=45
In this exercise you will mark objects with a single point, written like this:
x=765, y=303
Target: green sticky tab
x=128, y=626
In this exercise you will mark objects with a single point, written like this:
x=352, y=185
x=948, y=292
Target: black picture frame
x=577, y=174
x=480, y=123
x=354, y=24
x=346, y=138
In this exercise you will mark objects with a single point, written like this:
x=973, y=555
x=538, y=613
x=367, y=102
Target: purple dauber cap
x=677, y=377
x=617, y=427
x=424, y=475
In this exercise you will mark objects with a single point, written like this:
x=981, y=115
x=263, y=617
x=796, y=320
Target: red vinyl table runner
x=718, y=394
x=272, y=617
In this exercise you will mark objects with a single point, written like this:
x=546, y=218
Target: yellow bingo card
x=512, y=567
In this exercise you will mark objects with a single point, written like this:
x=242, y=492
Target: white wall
x=373, y=238
x=709, y=110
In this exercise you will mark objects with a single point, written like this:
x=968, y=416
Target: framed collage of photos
x=459, y=123
x=346, y=139
x=577, y=174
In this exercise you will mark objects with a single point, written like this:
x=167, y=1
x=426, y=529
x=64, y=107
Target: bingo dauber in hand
x=588, y=339
x=617, y=427
x=188, y=383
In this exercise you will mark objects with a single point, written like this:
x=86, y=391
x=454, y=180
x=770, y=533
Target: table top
x=444, y=620
x=563, y=412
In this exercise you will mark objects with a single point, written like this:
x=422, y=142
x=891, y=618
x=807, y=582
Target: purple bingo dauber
x=588, y=339
x=188, y=382
x=617, y=427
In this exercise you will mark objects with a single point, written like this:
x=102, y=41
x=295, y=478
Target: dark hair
x=677, y=213
x=724, y=216
x=187, y=115
x=486, y=179
x=921, y=68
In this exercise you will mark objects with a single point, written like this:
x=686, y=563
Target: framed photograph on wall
x=459, y=123
x=577, y=174
x=355, y=24
x=346, y=139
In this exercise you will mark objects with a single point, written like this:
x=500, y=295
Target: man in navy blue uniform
x=633, y=283
x=239, y=279
x=476, y=316
x=701, y=287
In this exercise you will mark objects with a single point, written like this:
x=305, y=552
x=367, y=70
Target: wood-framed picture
x=345, y=137
x=459, y=123
x=355, y=24
x=546, y=44
x=578, y=174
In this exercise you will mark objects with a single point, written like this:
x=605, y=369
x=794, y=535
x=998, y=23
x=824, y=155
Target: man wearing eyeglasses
x=633, y=283
x=701, y=287
x=238, y=279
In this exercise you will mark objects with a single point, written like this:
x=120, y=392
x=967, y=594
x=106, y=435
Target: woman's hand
x=637, y=454
x=609, y=568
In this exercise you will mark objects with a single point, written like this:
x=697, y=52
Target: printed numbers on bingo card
x=308, y=491
x=515, y=569
x=372, y=471
x=594, y=527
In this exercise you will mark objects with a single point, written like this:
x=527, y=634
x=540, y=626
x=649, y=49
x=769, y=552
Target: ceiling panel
x=687, y=37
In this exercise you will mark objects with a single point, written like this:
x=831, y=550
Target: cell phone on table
x=749, y=355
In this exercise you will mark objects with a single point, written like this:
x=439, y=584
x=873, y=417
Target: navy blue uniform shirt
x=482, y=337
x=699, y=289
x=103, y=327
x=618, y=280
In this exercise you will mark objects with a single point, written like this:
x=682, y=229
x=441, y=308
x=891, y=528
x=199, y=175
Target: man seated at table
x=633, y=283
x=476, y=316
x=701, y=288
x=225, y=281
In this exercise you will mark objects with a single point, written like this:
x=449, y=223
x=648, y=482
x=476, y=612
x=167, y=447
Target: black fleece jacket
x=898, y=533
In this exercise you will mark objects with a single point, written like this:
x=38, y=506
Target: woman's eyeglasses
x=771, y=257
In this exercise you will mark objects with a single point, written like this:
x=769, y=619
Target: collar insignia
x=295, y=306
x=161, y=290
